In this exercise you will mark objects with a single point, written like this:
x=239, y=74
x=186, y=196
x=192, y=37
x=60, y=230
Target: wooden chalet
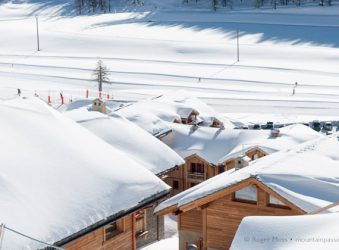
x=284, y=183
x=210, y=151
x=196, y=169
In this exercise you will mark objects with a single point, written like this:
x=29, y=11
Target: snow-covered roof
x=217, y=146
x=170, y=107
x=129, y=138
x=312, y=232
x=306, y=175
x=57, y=177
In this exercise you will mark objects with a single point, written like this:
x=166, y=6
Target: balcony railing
x=196, y=175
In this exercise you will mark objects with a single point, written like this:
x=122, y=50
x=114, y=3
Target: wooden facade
x=134, y=230
x=211, y=222
x=123, y=239
x=196, y=170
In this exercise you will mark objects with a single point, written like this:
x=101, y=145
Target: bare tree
x=100, y=75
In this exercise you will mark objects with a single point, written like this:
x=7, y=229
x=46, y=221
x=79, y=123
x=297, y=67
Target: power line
x=31, y=238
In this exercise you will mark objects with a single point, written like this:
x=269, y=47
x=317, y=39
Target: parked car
x=269, y=125
x=278, y=125
x=256, y=126
x=328, y=126
x=316, y=125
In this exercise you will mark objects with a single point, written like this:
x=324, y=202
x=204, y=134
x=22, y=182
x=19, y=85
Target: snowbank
x=288, y=232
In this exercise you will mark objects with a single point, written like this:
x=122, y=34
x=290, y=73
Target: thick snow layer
x=312, y=232
x=217, y=146
x=57, y=178
x=171, y=243
x=170, y=107
x=129, y=138
x=306, y=175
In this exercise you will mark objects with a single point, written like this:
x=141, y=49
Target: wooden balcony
x=196, y=176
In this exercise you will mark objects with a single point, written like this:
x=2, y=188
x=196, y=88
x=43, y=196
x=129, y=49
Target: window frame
x=247, y=201
x=120, y=228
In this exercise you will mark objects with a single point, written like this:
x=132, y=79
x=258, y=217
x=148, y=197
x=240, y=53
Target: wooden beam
x=217, y=195
x=167, y=210
x=279, y=197
x=204, y=229
x=134, y=243
x=325, y=208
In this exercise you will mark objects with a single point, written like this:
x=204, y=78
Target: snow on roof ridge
x=119, y=132
x=78, y=174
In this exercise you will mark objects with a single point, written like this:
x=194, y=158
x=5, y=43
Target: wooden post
x=86, y=93
x=134, y=244
x=204, y=228
x=49, y=99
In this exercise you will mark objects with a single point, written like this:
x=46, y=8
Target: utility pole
x=37, y=32
x=2, y=232
x=238, y=56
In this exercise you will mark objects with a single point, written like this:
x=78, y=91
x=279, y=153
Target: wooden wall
x=254, y=151
x=95, y=239
x=222, y=217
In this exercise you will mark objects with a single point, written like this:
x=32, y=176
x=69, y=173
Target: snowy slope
x=129, y=138
x=56, y=177
x=288, y=232
x=152, y=50
x=306, y=175
x=217, y=146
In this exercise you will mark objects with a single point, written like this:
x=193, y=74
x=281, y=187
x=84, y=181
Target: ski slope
x=156, y=49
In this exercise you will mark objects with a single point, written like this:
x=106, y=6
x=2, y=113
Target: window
x=247, y=194
x=255, y=156
x=197, y=168
x=192, y=184
x=175, y=184
x=140, y=223
x=113, y=229
x=274, y=202
x=221, y=169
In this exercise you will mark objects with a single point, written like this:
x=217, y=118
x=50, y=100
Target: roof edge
x=112, y=218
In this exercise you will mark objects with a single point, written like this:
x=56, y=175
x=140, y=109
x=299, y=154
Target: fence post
x=86, y=93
